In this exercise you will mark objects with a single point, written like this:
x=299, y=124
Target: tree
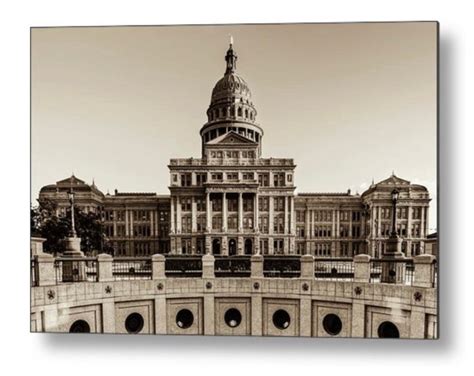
x=55, y=229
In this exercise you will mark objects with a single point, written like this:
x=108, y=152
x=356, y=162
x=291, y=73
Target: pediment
x=231, y=137
x=394, y=180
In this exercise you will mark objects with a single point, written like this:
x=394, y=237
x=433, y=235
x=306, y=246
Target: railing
x=281, y=266
x=401, y=271
x=233, y=266
x=183, y=266
x=334, y=269
x=232, y=162
x=33, y=276
x=131, y=268
x=421, y=271
x=75, y=269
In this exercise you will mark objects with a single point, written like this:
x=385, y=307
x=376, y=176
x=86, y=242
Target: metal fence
x=131, y=268
x=183, y=266
x=400, y=271
x=282, y=266
x=232, y=266
x=334, y=269
x=82, y=269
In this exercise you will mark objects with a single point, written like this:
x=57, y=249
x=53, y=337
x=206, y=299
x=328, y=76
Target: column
x=172, y=219
x=114, y=213
x=193, y=214
x=270, y=215
x=224, y=212
x=307, y=229
x=240, y=214
x=422, y=223
x=292, y=216
x=379, y=222
x=152, y=223
x=409, y=222
x=208, y=212
x=255, y=212
x=285, y=220
x=427, y=221
x=333, y=229
x=350, y=224
x=311, y=231
x=127, y=230
x=178, y=215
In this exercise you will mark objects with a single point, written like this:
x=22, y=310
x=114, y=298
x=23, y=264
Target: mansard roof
x=73, y=183
x=231, y=137
x=393, y=182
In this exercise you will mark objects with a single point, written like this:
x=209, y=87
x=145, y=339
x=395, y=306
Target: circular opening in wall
x=134, y=323
x=332, y=324
x=80, y=326
x=233, y=317
x=388, y=329
x=184, y=318
x=281, y=319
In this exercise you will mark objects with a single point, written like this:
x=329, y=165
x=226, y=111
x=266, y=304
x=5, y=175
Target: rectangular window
x=264, y=179
x=263, y=204
x=278, y=179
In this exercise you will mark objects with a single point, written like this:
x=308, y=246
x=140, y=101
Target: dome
x=231, y=86
x=231, y=108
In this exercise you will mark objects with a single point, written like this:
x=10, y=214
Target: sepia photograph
x=235, y=180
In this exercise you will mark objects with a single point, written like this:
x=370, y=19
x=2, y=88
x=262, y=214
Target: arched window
x=239, y=113
x=232, y=112
x=246, y=114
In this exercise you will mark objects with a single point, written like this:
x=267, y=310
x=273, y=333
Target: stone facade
x=232, y=201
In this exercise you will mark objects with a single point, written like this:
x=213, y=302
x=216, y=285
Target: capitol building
x=233, y=249
x=233, y=201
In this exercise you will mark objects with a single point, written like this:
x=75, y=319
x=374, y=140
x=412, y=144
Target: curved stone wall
x=258, y=306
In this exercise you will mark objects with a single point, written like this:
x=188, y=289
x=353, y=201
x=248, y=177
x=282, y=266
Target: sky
x=348, y=102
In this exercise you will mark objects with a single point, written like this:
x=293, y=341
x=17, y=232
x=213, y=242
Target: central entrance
x=232, y=247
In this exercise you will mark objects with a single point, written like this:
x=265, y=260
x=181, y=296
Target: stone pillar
x=36, y=246
x=208, y=212
x=104, y=268
x=178, y=215
x=285, y=220
x=424, y=270
x=208, y=266
x=311, y=227
x=108, y=315
x=256, y=266
x=307, y=266
x=158, y=266
x=240, y=209
x=44, y=270
x=338, y=223
x=362, y=268
x=193, y=214
x=358, y=318
x=172, y=219
x=224, y=212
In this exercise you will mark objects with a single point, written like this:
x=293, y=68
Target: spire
x=230, y=58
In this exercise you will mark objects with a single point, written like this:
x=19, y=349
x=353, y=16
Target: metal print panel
x=243, y=180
